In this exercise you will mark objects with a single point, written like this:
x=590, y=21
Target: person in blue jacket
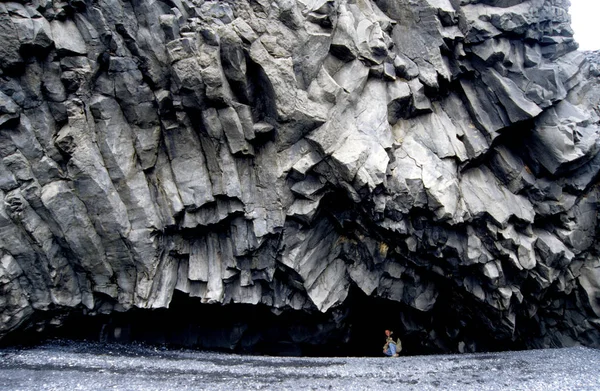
x=391, y=347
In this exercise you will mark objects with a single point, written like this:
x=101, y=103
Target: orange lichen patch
x=383, y=249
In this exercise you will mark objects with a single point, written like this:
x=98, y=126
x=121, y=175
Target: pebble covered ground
x=93, y=366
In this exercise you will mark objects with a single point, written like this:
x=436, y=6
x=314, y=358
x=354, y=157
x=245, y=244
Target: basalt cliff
x=296, y=175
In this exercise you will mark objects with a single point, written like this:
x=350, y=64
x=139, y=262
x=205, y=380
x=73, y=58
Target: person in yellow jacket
x=391, y=347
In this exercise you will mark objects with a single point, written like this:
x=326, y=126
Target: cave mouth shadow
x=354, y=329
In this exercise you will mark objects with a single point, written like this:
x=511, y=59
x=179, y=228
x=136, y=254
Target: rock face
x=436, y=157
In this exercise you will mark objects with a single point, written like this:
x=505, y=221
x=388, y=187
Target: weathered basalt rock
x=435, y=161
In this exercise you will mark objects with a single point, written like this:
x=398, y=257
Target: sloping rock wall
x=440, y=154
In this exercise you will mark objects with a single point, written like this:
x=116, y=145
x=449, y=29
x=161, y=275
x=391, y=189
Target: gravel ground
x=90, y=366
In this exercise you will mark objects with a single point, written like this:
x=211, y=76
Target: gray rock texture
x=439, y=155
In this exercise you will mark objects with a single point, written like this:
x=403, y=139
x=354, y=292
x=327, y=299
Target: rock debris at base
x=89, y=367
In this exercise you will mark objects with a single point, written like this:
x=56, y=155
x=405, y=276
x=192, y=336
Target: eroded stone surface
x=437, y=154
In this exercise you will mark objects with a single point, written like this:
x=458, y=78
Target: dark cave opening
x=353, y=329
x=369, y=318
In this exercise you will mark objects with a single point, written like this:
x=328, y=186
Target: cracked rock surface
x=296, y=154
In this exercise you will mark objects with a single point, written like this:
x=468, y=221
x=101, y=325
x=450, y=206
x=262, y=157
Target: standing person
x=391, y=347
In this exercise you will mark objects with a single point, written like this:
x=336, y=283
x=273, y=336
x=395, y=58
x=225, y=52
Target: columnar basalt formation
x=297, y=154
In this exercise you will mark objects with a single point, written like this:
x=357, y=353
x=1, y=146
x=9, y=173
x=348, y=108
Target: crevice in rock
x=261, y=93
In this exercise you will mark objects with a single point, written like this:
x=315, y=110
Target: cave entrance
x=369, y=317
x=354, y=329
